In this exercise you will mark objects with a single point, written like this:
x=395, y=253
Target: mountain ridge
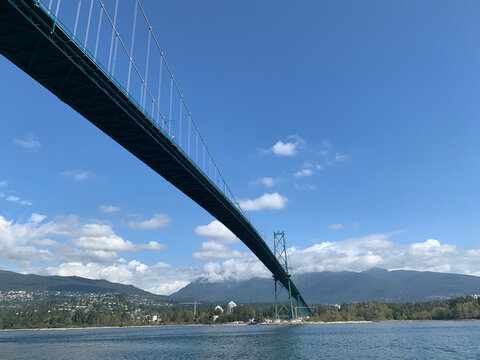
x=10, y=280
x=399, y=286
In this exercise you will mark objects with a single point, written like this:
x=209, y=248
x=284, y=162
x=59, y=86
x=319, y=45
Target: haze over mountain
x=338, y=287
x=317, y=288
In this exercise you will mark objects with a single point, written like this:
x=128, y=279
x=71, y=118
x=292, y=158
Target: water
x=402, y=340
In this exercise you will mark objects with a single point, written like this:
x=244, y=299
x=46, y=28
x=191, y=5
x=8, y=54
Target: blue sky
x=351, y=126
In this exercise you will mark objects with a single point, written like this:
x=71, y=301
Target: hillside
x=337, y=287
x=13, y=281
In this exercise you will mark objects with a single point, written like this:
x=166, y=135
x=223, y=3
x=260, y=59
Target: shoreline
x=245, y=324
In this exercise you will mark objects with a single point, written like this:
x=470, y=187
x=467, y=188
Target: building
x=231, y=305
x=218, y=307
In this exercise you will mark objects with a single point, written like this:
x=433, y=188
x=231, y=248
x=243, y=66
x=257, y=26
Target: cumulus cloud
x=157, y=221
x=268, y=182
x=376, y=250
x=356, y=254
x=109, y=209
x=288, y=148
x=335, y=226
x=273, y=201
x=78, y=175
x=18, y=200
x=213, y=250
x=341, y=157
x=31, y=142
x=216, y=231
x=235, y=269
x=218, y=235
x=309, y=187
x=63, y=238
x=303, y=173
x=102, y=237
x=3, y=183
x=15, y=242
x=160, y=278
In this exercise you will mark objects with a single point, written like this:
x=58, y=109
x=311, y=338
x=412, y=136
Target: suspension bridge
x=125, y=87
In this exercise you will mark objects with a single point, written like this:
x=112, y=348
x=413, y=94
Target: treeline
x=453, y=309
x=116, y=310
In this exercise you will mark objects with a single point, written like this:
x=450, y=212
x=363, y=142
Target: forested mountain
x=72, y=284
x=337, y=287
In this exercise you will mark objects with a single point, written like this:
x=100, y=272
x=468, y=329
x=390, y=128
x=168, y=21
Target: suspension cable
x=185, y=104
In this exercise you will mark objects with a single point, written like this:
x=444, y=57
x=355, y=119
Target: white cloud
x=376, y=250
x=308, y=187
x=326, y=144
x=273, y=201
x=288, y=148
x=268, y=182
x=335, y=226
x=17, y=200
x=356, y=254
x=218, y=235
x=235, y=269
x=160, y=278
x=216, y=231
x=15, y=246
x=340, y=157
x=78, y=175
x=108, y=209
x=31, y=142
x=303, y=173
x=157, y=221
x=79, y=242
x=211, y=250
x=3, y=183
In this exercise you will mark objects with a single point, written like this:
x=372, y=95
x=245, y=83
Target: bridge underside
x=61, y=66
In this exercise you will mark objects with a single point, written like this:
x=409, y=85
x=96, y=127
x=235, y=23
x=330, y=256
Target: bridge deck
x=60, y=65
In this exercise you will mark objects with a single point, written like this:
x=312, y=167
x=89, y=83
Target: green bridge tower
x=293, y=306
x=283, y=309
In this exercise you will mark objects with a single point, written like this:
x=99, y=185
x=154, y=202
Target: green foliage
x=453, y=309
x=117, y=310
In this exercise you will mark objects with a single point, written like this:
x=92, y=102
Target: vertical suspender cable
x=113, y=34
x=134, y=66
x=170, y=111
x=185, y=104
x=160, y=88
x=88, y=26
x=189, y=123
x=146, y=66
x=180, y=129
x=196, y=148
x=115, y=52
x=58, y=8
x=98, y=31
x=131, y=46
x=76, y=18
x=50, y=6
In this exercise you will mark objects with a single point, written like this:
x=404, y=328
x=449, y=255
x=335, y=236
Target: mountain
x=337, y=287
x=73, y=284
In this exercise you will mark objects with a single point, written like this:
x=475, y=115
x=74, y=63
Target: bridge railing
x=119, y=38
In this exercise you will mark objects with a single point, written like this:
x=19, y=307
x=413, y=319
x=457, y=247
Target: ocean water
x=400, y=340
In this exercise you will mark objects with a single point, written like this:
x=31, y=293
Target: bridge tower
x=283, y=309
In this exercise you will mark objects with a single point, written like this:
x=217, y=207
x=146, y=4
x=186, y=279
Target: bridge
x=43, y=39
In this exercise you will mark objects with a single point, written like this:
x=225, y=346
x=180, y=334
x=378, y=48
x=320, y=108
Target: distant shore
x=244, y=324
